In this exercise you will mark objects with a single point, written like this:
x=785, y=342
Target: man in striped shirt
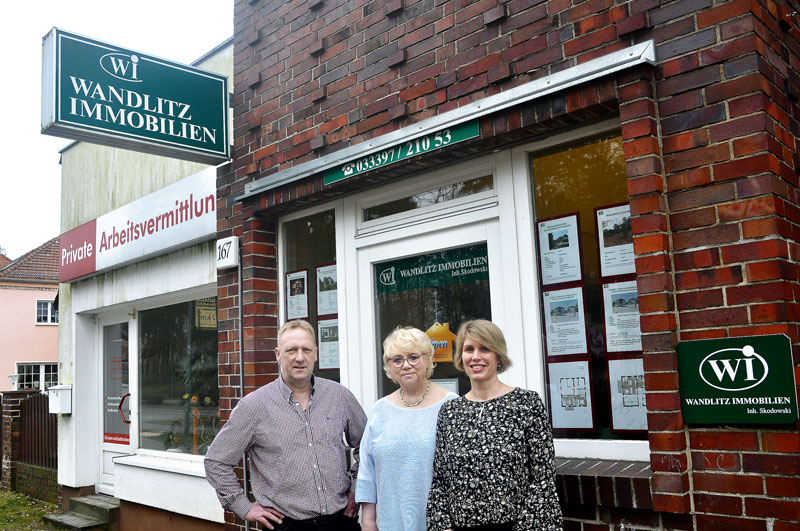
x=294, y=430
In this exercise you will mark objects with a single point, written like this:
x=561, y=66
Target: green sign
x=745, y=380
x=417, y=146
x=454, y=266
x=108, y=95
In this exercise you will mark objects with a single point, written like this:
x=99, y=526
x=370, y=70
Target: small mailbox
x=60, y=399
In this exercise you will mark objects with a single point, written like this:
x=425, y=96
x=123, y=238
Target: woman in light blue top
x=396, y=464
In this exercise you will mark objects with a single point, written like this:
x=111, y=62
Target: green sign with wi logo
x=101, y=93
x=743, y=380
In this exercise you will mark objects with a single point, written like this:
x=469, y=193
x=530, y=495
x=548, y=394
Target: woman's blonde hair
x=487, y=334
x=407, y=339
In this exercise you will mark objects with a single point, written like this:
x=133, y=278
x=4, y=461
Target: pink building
x=29, y=319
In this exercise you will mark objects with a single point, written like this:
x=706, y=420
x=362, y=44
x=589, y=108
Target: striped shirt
x=298, y=459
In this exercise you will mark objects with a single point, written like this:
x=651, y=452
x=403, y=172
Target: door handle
x=119, y=408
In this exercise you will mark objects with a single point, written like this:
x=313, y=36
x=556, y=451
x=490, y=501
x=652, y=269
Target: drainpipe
x=241, y=368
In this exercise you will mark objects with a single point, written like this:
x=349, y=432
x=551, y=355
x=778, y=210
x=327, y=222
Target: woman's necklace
x=418, y=402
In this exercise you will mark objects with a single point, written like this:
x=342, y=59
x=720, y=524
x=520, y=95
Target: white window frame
x=135, y=473
x=511, y=203
x=50, y=313
x=42, y=364
x=625, y=450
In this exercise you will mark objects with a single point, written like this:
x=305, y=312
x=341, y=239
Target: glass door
x=431, y=280
x=116, y=400
x=435, y=292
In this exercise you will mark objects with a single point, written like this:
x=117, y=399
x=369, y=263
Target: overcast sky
x=30, y=181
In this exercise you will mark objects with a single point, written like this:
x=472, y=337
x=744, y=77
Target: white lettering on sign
x=119, y=64
x=70, y=256
x=142, y=111
x=725, y=365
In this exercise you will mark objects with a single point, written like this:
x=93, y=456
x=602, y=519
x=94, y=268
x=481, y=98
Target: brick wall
x=710, y=138
x=37, y=481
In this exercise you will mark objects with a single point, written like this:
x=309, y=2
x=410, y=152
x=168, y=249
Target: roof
x=38, y=265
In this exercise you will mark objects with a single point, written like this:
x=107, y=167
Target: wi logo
x=386, y=277
x=734, y=369
x=121, y=66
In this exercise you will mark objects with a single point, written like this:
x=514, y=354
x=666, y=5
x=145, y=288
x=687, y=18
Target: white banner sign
x=172, y=217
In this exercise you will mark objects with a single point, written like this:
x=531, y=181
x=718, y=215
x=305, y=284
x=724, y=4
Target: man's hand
x=263, y=515
x=351, y=509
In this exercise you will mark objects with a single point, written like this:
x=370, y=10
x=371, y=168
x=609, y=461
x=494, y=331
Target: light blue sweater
x=396, y=464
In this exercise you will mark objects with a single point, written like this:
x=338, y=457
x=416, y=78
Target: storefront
x=138, y=330
x=593, y=178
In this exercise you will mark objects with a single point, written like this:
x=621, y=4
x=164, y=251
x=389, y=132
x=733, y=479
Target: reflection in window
x=178, y=388
x=583, y=178
x=430, y=197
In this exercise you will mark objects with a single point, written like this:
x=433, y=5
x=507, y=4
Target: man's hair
x=487, y=334
x=297, y=323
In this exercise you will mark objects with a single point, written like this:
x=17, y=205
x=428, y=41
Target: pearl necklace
x=418, y=402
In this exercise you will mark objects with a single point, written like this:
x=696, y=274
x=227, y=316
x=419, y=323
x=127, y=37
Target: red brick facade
x=710, y=136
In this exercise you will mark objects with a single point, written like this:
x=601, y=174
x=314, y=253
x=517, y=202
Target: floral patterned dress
x=494, y=463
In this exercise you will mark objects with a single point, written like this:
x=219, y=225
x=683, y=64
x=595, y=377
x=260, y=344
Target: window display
x=595, y=311
x=311, y=286
x=178, y=385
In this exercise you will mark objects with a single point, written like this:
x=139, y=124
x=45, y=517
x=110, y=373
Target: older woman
x=494, y=466
x=397, y=446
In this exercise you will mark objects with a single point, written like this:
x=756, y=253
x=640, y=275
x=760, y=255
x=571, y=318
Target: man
x=293, y=430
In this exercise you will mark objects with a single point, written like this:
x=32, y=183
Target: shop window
x=310, y=289
x=31, y=375
x=178, y=388
x=46, y=313
x=588, y=295
x=428, y=198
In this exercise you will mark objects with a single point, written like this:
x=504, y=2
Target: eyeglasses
x=412, y=359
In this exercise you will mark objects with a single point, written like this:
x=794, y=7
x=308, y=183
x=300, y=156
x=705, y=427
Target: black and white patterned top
x=494, y=463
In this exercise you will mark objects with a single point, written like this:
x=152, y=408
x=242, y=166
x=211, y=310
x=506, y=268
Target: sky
x=30, y=180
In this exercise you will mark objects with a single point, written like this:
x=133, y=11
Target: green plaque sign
x=745, y=380
x=109, y=95
x=417, y=146
x=440, y=268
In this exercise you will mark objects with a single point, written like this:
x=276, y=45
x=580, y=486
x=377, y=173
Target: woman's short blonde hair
x=487, y=334
x=407, y=340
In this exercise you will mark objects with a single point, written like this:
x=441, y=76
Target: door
x=115, y=341
x=433, y=281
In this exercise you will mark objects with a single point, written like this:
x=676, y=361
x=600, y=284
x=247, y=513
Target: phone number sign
x=406, y=150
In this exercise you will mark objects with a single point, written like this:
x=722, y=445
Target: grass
x=20, y=512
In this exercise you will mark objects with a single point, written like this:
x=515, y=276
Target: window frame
x=42, y=374
x=51, y=318
x=620, y=450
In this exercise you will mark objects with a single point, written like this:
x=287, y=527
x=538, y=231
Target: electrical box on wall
x=60, y=399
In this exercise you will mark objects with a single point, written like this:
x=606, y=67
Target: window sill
x=592, y=482
x=189, y=465
x=182, y=475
